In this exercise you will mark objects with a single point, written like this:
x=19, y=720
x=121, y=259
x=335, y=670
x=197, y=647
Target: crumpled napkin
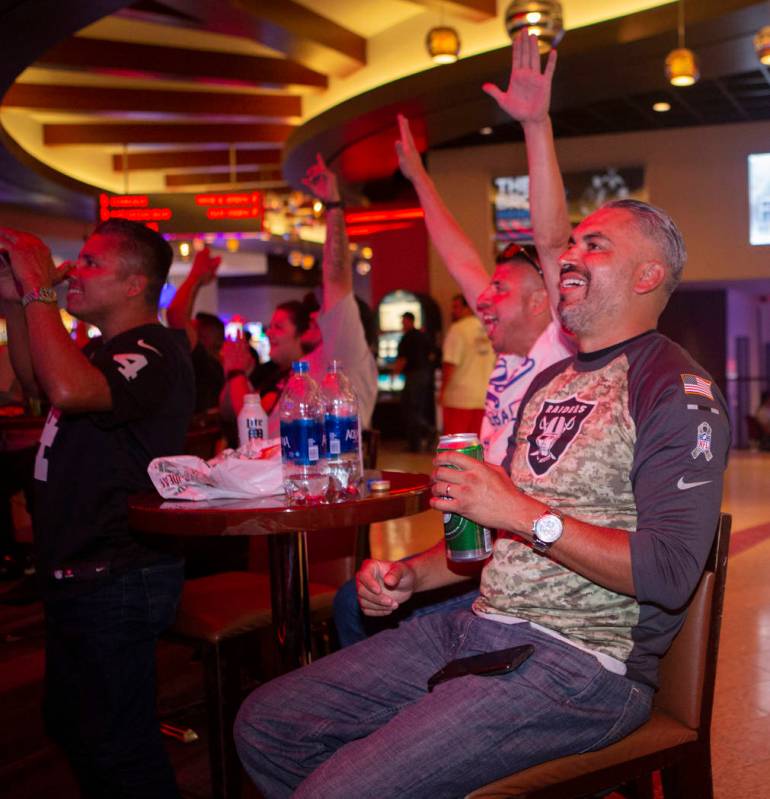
x=251, y=471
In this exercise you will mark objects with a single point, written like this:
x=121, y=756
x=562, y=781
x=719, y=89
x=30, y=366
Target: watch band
x=45, y=294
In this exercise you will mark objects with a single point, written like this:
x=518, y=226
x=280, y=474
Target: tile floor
x=741, y=726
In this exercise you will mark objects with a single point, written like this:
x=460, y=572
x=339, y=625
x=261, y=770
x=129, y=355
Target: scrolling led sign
x=210, y=212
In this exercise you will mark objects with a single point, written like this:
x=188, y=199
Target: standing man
x=467, y=359
x=605, y=514
x=124, y=400
x=414, y=363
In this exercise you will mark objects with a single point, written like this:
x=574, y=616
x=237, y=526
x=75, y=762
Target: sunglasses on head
x=514, y=250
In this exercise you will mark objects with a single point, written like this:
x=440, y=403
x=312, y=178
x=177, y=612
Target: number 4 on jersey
x=130, y=364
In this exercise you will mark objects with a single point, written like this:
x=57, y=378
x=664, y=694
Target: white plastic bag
x=233, y=474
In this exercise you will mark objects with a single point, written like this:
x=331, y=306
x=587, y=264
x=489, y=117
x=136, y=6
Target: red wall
x=400, y=254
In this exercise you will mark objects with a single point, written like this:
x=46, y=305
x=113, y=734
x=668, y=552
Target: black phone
x=486, y=664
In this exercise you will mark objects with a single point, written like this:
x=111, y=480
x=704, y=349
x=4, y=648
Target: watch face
x=548, y=528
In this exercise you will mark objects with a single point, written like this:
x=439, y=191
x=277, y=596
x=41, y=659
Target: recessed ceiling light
x=486, y=131
x=661, y=107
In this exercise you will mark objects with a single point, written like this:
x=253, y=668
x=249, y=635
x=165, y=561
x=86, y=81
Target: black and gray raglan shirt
x=634, y=437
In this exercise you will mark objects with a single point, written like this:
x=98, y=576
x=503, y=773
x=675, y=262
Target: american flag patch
x=697, y=385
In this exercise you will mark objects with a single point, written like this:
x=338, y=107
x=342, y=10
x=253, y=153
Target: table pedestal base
x=290, y=598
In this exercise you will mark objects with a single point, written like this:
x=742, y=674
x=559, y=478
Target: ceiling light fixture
x=681, y=64
x=762, y=45
x=541, y=18
x=443, y=42
x=661, y=107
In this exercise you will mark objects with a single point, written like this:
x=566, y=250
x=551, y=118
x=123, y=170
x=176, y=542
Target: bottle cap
x=300, y=367
x=378, y=485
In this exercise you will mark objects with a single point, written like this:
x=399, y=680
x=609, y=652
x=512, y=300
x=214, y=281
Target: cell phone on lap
x=487, y=664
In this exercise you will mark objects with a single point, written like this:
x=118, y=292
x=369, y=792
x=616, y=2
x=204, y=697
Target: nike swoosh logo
x=683, y=486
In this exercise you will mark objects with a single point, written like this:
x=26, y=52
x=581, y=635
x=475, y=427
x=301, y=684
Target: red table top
x=409, y=494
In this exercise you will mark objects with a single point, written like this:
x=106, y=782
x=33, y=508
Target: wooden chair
x=228, y=617
x=677, y=738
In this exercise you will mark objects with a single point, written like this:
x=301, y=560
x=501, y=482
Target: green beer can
x=465, y=539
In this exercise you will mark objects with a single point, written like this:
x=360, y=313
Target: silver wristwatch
x=547, y=530
x=47, y=295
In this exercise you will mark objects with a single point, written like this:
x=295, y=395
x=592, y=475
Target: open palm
x=528, y=95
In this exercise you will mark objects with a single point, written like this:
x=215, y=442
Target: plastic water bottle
x=342, y=428
x=305, y=475
x=252, y=423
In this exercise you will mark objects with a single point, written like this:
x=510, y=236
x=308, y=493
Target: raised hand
x=528, y=95
x=204, y=266
x=322, y=181
x=408, y=158
x=237, y=355
x=29, y=259
x=383, y=585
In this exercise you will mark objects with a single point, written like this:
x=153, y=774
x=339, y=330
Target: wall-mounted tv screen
x=759, y=198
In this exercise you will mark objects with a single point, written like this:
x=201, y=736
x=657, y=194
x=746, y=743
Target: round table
x=287, y=527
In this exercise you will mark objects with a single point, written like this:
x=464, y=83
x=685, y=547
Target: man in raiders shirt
x=605, y=512
x=125, y=399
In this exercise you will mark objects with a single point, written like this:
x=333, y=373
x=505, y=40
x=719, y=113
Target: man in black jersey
x=125, y=399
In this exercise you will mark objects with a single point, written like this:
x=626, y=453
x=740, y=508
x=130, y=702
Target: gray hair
x=661, y=228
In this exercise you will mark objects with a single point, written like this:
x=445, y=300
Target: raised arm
x=179, y=312
x=337, y=266
x=527, y=100
x=16, y=325
x=39, y=338
x=453, y=245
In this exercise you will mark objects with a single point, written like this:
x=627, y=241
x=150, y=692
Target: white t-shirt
x=342, y=339
x=509, y=382
x=468, y=349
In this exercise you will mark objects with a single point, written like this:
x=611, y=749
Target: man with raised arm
x=336, y=333
x=605, y=511
x=516, y=306
x=124, y=400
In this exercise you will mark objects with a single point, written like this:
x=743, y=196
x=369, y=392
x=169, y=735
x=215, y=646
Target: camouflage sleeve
x=683, y=439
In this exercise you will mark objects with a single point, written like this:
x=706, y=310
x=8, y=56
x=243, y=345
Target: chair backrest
x=688, y=669
x=753, y=428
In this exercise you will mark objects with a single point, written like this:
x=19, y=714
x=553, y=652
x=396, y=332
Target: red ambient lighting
x=234, y=213
x=124, y=201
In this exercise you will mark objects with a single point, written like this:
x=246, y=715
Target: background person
x=414, y=363
x=125, y=399
x=466, y=363
x=206, y=332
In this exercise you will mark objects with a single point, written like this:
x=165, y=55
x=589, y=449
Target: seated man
x=605, y=511
x=516, y=304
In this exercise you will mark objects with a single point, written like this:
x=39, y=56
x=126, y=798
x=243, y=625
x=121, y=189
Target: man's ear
x=538, y=302
x=649, y=275
x=137, y=283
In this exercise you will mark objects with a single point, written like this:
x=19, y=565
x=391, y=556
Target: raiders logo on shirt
x=555, y=428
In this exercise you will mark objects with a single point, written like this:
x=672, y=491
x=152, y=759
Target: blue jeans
x=352, y=626
x=100, y=682
x=360, y=722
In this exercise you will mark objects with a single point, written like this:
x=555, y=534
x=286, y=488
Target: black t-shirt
x=209, y=378
x=415, y=347
x=88, y=464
